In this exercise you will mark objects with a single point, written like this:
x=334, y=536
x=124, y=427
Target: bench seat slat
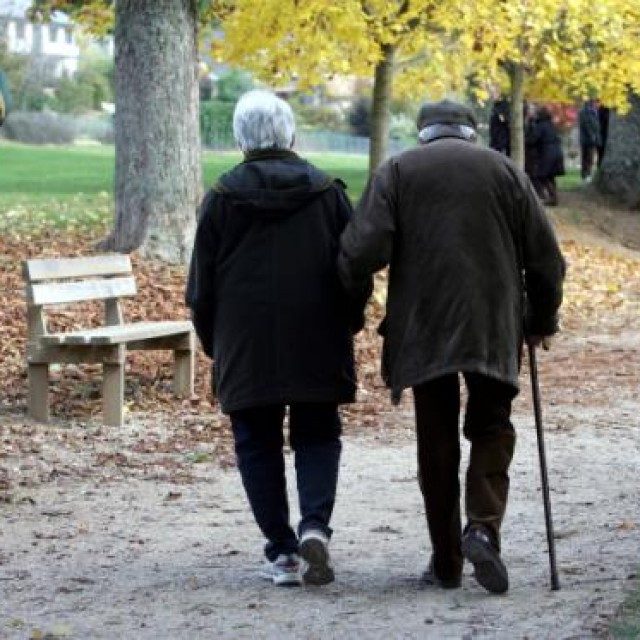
x=41, y=269
x=65, y=292
x=118, y=334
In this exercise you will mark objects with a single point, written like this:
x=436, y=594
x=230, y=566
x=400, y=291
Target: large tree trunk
x=157, y=174
x=516, y=126
x=619, y=174
x=381, y=107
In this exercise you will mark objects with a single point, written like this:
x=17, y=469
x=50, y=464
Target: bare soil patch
x=587, y=215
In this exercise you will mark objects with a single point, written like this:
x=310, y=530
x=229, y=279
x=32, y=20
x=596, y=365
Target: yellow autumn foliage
x=568, y=49
x=311, y=40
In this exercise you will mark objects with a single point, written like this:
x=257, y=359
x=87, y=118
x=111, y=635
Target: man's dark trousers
x=488, y=427
x=314, y=436
x=587, y=156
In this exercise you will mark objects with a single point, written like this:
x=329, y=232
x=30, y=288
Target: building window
x=20, y=29
x=68, y=35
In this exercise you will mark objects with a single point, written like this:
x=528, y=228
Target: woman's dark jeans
x=314, y=436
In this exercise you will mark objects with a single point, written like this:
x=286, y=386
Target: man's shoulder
x=447, y=146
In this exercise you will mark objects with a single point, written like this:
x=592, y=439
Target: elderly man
x=269, y=309
x=464, y=236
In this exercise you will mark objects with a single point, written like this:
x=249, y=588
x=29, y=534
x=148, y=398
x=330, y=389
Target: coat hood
x=272, y=183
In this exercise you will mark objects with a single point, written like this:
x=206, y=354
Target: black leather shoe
x=489, y=570
x=430, y=578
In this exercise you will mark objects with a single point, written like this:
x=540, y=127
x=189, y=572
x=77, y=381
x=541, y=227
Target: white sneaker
x=314, y=549
x=284, y=571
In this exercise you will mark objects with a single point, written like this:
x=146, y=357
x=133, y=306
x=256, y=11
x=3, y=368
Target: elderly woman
x=269, y=309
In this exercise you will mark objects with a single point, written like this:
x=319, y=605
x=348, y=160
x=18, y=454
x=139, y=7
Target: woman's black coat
x=263, y=287
x=544, y=139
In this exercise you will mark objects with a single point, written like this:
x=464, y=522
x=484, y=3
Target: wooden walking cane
x=535, y=388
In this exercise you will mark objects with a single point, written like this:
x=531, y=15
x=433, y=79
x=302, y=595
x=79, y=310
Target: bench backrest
x=54, y=281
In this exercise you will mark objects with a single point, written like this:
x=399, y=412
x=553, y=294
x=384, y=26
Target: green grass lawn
x=73, y=186
x=31, y=173
x=64, y=186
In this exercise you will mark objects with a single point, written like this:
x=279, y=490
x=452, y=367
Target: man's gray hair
x=261, y=120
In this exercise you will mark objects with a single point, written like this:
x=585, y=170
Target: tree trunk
x=381, y=107
x=619, y=174
x=157, y=138
x=516, y=126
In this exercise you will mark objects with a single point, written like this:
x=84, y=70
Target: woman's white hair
x=261, y=120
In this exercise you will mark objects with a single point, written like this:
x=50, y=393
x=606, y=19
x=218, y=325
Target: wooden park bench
x=107, y=277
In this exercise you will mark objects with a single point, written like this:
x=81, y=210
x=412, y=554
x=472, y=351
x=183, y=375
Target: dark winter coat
x=543, y=139
x=263, y=287
x=455, y=222
x=589, y=125
x=499, y=130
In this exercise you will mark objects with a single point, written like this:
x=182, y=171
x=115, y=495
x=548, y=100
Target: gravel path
x=131, y=558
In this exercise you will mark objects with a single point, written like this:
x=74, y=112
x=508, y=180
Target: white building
x=57, y=42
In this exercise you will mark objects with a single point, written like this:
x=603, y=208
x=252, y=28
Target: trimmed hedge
x=43, y=127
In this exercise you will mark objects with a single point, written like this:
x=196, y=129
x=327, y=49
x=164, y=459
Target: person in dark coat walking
x=465, y=237
x=269, y=309
x=499, y=129
x=530, y=114
x=543, y=139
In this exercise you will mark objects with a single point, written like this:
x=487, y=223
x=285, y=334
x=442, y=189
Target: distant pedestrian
x=590, y=137
x=530, y=114
x=543, y=139
x=499, y=127
x=269, y=309
x=464, y=236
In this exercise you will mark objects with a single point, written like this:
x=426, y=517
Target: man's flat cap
x=445, y=112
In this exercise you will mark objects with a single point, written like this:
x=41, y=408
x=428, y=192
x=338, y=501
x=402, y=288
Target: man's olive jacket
x=464, y=235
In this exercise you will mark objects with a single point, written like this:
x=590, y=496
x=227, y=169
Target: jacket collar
x=268, y=154
x=436, y=131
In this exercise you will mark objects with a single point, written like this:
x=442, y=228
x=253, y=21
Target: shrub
x=360, y=117
x=73, y=96
x=39, y=127
x=233, y=84
x=216, y=122
x=98, y=74
x=402, y=127
x=87, y=89
x=96, y=127
x=321, y=117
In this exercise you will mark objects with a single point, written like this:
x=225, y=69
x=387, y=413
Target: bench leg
x=183, y=372
x=39, y=391
x=113, y=393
